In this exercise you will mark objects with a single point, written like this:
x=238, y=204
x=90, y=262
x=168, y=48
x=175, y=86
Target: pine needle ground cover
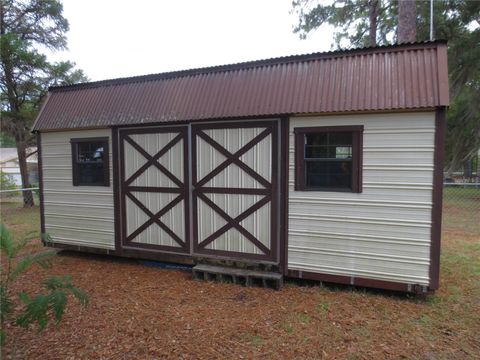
x=140, y=312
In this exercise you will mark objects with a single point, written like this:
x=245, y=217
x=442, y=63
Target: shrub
x=7, y=183
x=37, y=308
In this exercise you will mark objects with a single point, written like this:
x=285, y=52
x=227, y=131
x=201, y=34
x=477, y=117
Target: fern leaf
x=53, y=282
x=58, y=301
x=41, y=259
x=5, y=303
x=21, y=266
x=6, y=241
x=36, y=311
x=44, y=259
x=80, y=295
x=24, y=297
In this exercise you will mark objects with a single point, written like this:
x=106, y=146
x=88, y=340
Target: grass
x=304, y=318
x=289, y=328
x=323, y=307
x=21, y=221
x=461, y=209
x=467, y=196
x=298, y=322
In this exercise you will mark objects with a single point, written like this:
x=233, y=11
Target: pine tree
x=394, y=21
x=26, y=26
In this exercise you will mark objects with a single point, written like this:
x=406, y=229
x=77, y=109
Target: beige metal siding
x=75, y=215
x=384, y=232
x=173, y=219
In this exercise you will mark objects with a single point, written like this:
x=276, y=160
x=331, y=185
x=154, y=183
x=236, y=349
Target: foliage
x=463, y=129
x=350, y=19
x=26, y=27
x=38, y=308
x=6, y=141
x=456, y=21
x=463, y=126
x=7, y=182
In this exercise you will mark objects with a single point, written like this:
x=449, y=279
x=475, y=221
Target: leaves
x=58, y=301
x=6, y=241
x=26, y=27
x=11, y=249
x=42, y=259
x=38, y=308
x=457, y=21
x=37, y=311
x=7, y=182
x=55, y=283
x=39, y=21
x=351, y=20
x=5, y=303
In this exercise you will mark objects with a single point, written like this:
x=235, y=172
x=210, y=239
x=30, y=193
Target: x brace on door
x=265, y=188
x=234, y=189
x=179, y=188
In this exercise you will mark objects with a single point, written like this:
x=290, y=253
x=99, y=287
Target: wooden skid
x=238, y=276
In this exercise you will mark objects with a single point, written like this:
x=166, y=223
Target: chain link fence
x=14, y=198
x=461, y=208
x=23, y=221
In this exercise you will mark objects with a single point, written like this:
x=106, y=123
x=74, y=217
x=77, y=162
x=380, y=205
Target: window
x=328, y=158
x=90, y=162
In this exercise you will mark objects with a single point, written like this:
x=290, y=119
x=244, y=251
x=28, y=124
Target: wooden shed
x=324, y=166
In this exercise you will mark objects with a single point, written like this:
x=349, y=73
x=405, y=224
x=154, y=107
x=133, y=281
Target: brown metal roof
x=387, y=78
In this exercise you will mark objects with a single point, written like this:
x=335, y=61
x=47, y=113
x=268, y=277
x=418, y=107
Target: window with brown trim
x=328, y=158
x=90, y=162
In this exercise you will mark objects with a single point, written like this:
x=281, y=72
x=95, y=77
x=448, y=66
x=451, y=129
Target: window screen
x=90, y=162
x=328, y=158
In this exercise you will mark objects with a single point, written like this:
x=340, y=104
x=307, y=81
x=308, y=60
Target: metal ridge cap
x=246, y=65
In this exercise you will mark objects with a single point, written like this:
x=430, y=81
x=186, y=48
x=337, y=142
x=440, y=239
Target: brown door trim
x=284, y=191
x=279, y=191
x=436, y=230
x=270, y=190
x=125, y=189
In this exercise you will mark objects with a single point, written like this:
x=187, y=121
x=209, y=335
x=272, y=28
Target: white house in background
x=9, y=164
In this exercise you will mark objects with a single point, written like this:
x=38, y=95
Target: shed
x=325, y=166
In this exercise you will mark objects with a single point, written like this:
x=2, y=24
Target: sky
x=119, y=38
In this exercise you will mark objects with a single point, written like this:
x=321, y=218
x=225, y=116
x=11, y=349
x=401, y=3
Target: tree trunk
x=373, y=10
x=467, y=169
x=22, y=163
x=407, y=21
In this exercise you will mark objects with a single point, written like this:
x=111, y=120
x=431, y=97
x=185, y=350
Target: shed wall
x=75, y=215
x=384, y=232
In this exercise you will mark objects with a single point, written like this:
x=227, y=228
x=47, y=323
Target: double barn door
x=207, y=190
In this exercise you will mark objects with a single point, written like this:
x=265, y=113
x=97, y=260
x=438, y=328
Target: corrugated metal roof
x=410, y=76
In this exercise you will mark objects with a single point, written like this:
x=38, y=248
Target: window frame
x=106, y=161
x=357, y=157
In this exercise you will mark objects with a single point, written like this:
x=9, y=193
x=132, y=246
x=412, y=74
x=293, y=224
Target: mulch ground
x=141, y=312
